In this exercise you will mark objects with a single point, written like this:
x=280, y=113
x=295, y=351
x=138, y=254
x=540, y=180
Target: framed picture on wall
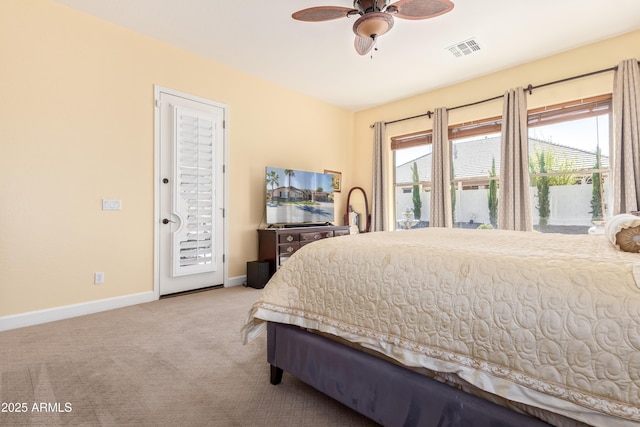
x=336, y=181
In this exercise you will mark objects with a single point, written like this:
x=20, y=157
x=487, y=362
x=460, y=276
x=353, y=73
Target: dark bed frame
x=380, y=390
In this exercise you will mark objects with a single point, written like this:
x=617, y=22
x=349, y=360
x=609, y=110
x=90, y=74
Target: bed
x=519, y=328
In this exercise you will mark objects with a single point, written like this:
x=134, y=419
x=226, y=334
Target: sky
x=584, y=134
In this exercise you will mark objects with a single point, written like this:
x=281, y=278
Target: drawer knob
x=289, y=238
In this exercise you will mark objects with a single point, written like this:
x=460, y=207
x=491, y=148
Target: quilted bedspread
x=549, y=320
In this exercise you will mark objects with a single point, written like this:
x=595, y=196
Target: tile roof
x=473, y=158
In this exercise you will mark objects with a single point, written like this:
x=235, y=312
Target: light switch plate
x=111, y=204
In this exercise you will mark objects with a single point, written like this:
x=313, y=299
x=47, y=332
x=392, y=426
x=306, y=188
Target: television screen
x=298, y=197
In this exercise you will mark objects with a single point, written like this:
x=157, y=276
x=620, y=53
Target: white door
x=190, y=205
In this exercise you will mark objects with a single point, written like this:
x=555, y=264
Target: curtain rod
x=529, y=89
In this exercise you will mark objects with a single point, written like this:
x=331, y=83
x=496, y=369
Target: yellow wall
x=76, y=126
x=580, y=61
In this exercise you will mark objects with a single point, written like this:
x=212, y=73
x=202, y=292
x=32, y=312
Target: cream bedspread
x=549, y=320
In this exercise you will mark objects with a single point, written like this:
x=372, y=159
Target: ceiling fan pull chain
x=375, y=45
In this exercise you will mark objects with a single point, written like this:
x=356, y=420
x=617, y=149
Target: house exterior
x=293, y=194
x=472, y=161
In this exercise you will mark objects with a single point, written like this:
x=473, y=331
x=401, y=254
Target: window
x=412, y=155
x=476, y=163
x=569, y=163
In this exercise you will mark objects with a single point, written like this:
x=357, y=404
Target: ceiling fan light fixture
x=373, y=24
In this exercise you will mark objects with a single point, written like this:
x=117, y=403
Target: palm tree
x=273, y=179
x=289, y=173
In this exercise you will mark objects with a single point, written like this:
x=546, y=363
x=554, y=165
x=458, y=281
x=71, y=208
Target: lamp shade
x=373, y=24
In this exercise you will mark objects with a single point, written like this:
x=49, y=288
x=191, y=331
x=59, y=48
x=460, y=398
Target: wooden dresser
x=275, y=245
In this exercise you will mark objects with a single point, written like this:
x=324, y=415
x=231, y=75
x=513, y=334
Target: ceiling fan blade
x=364, y=45
x=419, y=9
x=322, y=13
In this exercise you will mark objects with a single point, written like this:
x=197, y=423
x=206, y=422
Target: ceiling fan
x=376, y=16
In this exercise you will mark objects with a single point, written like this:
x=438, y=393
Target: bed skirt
x=382, y=391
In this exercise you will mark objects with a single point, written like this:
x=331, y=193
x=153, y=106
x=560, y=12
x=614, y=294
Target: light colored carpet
x=174, y=362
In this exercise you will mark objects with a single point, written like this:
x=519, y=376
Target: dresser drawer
x=288, y=248
x=288, y=237
x=315, y=235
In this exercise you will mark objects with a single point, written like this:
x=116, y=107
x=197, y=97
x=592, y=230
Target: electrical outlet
x=98, y=278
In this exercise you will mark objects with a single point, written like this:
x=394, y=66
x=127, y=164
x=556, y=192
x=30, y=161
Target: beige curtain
x=626, y=138
x=440, y=211
x=514, y=203
x=379, y=198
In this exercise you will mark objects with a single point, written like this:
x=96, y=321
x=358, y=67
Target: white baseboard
x=235, y=281
x=68, y=311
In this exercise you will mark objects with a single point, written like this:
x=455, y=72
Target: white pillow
x=623, y=231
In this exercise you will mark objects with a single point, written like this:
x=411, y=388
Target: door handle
x=166, y=221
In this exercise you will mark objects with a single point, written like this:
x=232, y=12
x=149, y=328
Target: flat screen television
x=298, y=198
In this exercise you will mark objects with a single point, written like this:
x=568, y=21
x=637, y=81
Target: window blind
x=572, y=110
x=575, y=110
x=193, y=192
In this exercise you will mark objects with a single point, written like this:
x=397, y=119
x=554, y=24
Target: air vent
x=464, y=48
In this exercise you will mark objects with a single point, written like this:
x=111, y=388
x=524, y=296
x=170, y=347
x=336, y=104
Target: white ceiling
x=259, y=37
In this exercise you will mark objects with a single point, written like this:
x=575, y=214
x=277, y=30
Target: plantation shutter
x=193, y=198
